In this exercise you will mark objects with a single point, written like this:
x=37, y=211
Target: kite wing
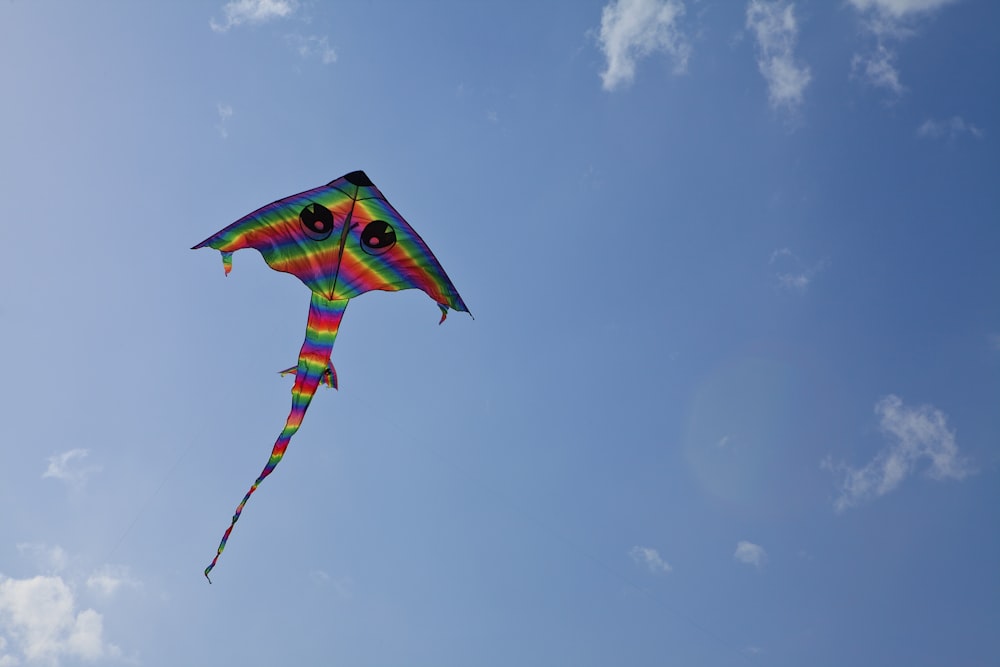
x=341, y=239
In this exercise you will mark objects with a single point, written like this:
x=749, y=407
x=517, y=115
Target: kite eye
x=377, y=237
x=317, y=221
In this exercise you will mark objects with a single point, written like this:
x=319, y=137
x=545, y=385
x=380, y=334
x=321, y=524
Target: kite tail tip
x=227, y=261
x=207, y=570
x=444, y=313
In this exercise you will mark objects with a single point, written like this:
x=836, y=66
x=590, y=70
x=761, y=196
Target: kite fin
x=314, y=364
x=329, y=377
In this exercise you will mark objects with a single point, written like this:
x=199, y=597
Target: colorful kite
x=341, y=240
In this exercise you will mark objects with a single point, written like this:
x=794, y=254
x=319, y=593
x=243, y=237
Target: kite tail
x=314, y=363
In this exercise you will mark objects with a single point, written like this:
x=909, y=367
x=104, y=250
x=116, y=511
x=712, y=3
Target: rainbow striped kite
x=341, y=239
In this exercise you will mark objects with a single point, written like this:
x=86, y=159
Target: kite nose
x=359, y=178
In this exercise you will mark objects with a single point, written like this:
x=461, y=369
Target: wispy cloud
x=634, y=29
x=900, y=8
x=778, y=253
x=949, y=129
x=68, y=466
x=238, y=12
x=773, y=24
x=40, y=619
x=225, y=113
x=888, y=21
x=915, y=435
x=313, y=46
x=792, y=273
x=651, y=559
x=750, y=554
x=878, y=68
x=45, y=558
x=109, y=579
x=342, y=586
x=6, y=659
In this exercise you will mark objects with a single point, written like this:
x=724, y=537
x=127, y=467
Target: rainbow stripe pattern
x=314, y=366
x=341, y=239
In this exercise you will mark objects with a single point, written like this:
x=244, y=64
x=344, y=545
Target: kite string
x=145, y=505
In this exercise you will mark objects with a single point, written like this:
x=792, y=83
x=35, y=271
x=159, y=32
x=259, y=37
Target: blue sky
x=730, y=393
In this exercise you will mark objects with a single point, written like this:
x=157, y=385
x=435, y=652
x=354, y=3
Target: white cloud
x=888, y=21
x=950, y=129
x=915, y=435
x=39, y=617
x=313, y=46
x=750, y=553
x=67, y=466
x=773, y=24
x=238, y=12
x=651, y=559
x=634, y=29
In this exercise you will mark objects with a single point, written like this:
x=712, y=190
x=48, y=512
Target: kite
x=341, y=239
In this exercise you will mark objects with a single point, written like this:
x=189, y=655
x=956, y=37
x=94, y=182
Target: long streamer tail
x=314, y=363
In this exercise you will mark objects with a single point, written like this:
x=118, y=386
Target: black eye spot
x=377, y=237
x=317, y=221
